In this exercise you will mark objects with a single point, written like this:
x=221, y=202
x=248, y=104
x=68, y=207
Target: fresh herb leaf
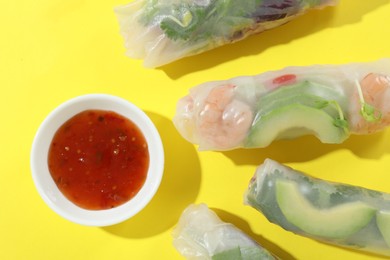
x=341, y=123
x=374, y=193
x=345, y=193
x=183, y=22
x=217, y=18
x=190, y=20
x=370, y=113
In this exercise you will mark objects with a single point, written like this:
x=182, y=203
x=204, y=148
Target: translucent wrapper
x=162, y=31
x=328, y=101
x=200, y=234
x=335, y=213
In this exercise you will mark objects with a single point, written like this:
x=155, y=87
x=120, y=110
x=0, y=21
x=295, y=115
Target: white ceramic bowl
x=47, y=187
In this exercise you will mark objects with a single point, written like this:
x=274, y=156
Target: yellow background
x=54, y=50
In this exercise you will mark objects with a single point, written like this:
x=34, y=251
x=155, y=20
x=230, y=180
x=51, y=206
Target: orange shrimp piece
x=375, y=91
x=223, y=121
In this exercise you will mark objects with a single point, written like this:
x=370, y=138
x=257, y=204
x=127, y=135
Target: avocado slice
x=383, y=222
x=339, y=221
x=292, y=121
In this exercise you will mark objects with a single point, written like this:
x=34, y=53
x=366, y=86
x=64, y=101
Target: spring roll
x=201, y=234
x=162, y=31
x=334, y=213
x=328, y=101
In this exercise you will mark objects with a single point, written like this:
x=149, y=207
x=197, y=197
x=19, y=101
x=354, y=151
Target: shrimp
x=223, y=121
x=374, y=91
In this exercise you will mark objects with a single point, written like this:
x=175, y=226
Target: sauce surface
x=98, y=159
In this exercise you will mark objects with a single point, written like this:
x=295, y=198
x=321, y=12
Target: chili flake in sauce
x=98, y=159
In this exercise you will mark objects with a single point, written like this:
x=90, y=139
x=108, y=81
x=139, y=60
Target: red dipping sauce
x=98, y=159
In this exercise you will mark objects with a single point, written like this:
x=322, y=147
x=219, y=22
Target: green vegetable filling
x=299, y=109
x=196, y=21
x=243, y=253
x=339, y=221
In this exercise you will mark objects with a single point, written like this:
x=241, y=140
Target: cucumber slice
x=303, y=99
x=337, y=222
x=293, y=121
x=302, y=88
x=383, y=222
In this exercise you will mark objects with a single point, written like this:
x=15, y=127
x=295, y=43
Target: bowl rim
x=46, y=186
